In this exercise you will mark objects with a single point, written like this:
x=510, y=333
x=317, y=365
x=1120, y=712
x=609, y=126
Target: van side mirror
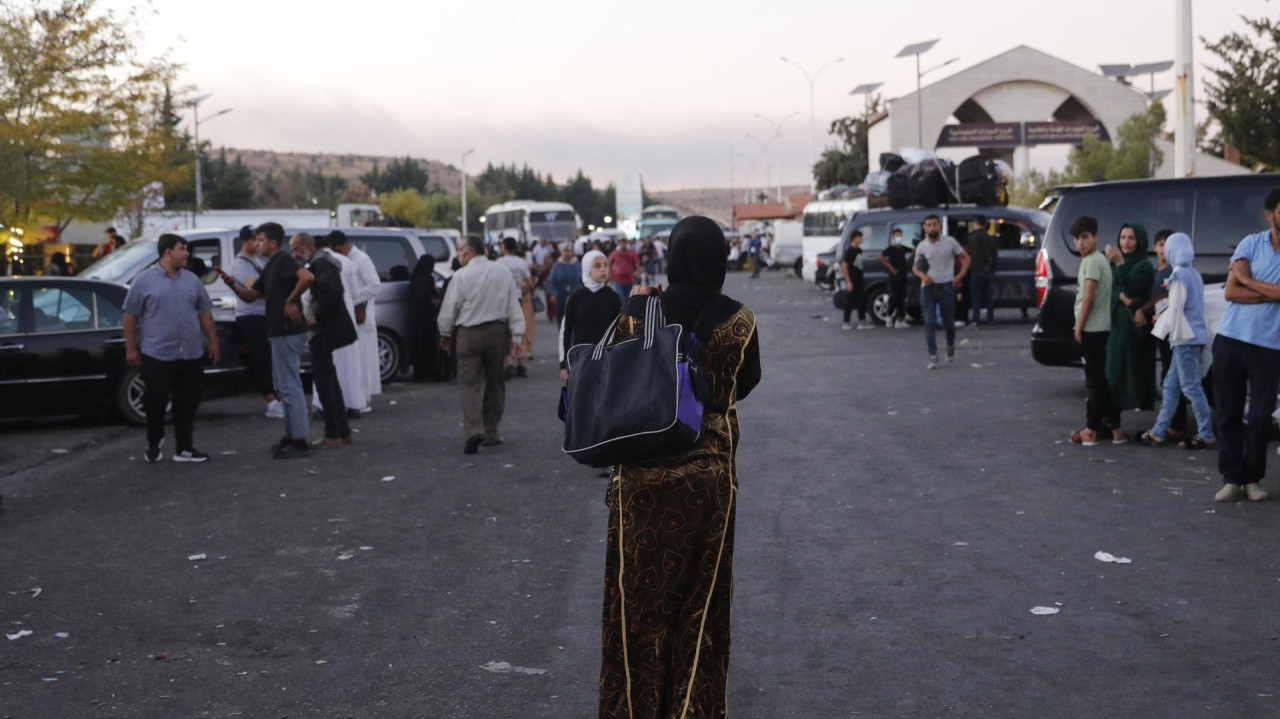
x=1027, y=240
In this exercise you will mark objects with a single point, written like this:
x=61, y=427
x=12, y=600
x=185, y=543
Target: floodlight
x=1158, y=94
x=867, y=87
x=916, y=49
x=1152, y=67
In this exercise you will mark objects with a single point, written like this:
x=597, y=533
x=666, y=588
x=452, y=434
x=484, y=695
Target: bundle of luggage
x=930, y=181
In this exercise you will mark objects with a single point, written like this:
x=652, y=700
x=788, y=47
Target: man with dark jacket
x=331, y=329
x=983, y=250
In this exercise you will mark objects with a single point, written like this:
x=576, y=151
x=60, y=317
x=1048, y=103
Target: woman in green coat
x=1131, y=359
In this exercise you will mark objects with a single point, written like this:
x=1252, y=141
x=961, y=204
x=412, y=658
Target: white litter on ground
x=388, y=478
x=61, y=635
x=1109, y=557
x=1044, y=610
x=366, y=549
x=961, y=544
x=21, y=633
x=505, y=668
x=345, y=556
x=60, y=451
x=197, y=557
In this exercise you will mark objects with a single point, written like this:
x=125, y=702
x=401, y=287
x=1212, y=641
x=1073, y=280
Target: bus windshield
x=555, y=225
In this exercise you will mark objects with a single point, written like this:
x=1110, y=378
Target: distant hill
x=714, y=202
x=348, y=167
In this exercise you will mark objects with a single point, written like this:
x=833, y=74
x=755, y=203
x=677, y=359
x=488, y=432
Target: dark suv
x=1216, y=211
x=1019, y=230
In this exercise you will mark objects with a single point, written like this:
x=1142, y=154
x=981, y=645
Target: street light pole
x=777, y=133
x=195, y=124
x=768, y=165
x=464, y=192
x=813, y=123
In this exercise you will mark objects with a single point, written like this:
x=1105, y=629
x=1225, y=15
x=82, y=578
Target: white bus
x=657, y=218
x=823, y=222
x=529, y=221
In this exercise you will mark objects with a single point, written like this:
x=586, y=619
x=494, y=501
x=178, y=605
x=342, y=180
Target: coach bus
x=530, y=221
x=656, y=219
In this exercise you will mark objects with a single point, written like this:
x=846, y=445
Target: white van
x=823, y=221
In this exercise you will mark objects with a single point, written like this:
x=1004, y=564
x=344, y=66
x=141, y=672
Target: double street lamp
x=919, y=49
x=194, y=104
x=813, y=126
x=777, y=133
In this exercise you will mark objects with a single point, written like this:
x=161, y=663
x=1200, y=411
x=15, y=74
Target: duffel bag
x=636, y=400
x=899, y=188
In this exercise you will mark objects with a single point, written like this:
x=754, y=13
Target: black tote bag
x=635, y=400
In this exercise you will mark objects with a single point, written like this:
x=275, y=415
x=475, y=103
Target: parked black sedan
x=62, y=351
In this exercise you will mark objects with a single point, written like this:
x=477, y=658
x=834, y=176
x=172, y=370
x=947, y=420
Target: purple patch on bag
x=689, y=412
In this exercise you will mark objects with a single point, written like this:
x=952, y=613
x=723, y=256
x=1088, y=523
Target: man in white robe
x=346, y=360
x=368, y=284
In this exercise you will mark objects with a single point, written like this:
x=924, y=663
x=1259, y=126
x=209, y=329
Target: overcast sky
x=658, y=87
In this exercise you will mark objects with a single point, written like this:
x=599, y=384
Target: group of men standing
x=309, y=293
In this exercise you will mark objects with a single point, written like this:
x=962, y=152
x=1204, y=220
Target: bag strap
x=654, y=319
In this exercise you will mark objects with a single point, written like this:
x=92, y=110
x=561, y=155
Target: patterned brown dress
x=669, y=568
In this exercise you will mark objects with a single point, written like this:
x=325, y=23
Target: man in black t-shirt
x=855, y=285
x=283, y=282
x=894, y=258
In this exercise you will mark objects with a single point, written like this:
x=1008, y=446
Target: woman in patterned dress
x=669, y=566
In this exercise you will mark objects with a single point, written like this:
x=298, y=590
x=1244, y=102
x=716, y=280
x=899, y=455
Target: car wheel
x=878, y=303
x=390, y=355
x=129, y=397
x=799, y=267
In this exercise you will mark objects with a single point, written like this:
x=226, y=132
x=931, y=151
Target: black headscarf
x=422, y=283
x=697, y=261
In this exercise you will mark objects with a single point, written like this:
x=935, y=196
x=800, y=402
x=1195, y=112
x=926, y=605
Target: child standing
x=1182, y=322
x=1093, y=326
x=589, y=310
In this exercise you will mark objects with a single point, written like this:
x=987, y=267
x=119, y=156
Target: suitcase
x=899, y=189
x=877, y=201
x=889, y=162
x=928, y=183
x=981, y=182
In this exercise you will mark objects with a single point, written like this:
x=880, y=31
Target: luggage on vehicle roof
x=877, y=182
x=981, y=181
x=890, y=162
x=929, y=183
x=899, y=190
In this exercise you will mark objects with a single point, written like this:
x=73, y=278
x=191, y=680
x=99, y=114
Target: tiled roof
x=763, y=211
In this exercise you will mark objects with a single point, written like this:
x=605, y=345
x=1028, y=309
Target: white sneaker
x=1254, y=492
x=901, y=325
x=275, y=409
x=933, y=362
x=1228, y=493
x=846, y=326
x=865, y=325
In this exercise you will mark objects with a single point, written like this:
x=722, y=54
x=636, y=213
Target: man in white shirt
x=482, y=308
x=346, y=360
x=523, y=276
x=368, y=284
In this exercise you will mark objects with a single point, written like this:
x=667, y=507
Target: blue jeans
x=624, y=291
x=1184, y=378
x=286, y=369
x=937, y=298
x=982, y=295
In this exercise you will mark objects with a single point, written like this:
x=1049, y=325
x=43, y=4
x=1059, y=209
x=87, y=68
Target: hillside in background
x=714, y=202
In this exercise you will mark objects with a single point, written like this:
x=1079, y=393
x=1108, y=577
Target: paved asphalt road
x=896, y=528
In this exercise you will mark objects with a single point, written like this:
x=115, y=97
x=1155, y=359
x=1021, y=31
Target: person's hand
x=215, y=352
x=133, y=358
x=646, y=290
x=517, y=350
x=1113, y=254
x=1125, y=299
x=564, y=376
x=1140, y=319
x=927, y=281
x=1242, y=270
x=292, y=312
x=958, y=283
x=445, y=343
x=1080, y=334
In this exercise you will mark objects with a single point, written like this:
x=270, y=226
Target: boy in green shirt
x=1093, y=325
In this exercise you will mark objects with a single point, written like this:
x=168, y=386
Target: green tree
x=233, y=186
x=78, y=133
x=848, y=163
x=1134, y=156
x=1244, y=94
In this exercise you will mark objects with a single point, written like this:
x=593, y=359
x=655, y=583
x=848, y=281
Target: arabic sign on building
x=981, y=134
x=1014, y=134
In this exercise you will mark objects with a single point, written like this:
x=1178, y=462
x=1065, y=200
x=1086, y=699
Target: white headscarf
x=587, y=260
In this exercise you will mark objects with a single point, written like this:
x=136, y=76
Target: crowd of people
x=1128, y=310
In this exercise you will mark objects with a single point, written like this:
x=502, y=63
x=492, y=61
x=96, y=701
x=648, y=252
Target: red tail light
x=1044, y=277
x=819, y=260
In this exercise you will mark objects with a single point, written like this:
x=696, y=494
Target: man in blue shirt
x=171, y=308
x=1246, y=360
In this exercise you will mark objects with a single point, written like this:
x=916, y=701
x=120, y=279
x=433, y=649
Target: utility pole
x=813, y=123
x=1184, y=122
x=464, y=192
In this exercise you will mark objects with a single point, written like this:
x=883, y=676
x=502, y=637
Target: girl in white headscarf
x=589, y=311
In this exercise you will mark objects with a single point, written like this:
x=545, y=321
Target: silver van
x=394, y=252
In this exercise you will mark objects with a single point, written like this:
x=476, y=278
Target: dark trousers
x=329, y=390
x=1100, y=407
x=252, y=330
x=176, y=381
x=482, y=352
x=982, y=295
x=898, y=295
x=1179, y=422
x=756, y=266
x=855, y=295
x=1243, y=371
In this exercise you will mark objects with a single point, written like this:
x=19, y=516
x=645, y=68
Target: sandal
x=1151, y=440
x=1198, y=443
x=1078, y=438
x=1122, y=439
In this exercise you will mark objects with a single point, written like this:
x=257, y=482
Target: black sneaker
x=292, y=450
x=190, y=455
x=521, y=371
x=153, y=453
x=284, y=442
x=473, y=444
